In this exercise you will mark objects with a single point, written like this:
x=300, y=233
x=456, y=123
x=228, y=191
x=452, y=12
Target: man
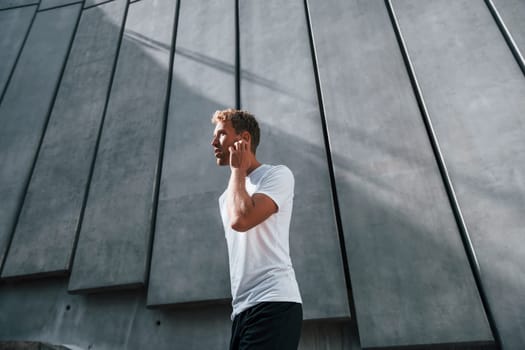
x=256, y=209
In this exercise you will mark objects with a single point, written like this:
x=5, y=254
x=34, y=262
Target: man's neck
x=255, y=165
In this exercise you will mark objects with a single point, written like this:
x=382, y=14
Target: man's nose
x=214, y=141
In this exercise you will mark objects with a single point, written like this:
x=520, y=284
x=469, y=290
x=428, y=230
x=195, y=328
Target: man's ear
x=245, y=135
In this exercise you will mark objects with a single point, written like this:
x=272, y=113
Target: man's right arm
x=245, y=211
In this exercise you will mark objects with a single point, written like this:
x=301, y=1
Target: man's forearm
x=239, y=201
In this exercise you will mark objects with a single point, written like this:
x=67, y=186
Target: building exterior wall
x=402, y=121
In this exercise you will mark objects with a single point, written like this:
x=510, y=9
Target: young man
x=256, y=209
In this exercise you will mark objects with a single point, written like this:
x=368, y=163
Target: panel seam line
x=20, y=6
x=506, y=34
x=17, y=58
x=162, y=144
x=237, y=56
x=331, y=171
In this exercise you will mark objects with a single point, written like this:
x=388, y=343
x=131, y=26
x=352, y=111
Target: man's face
x=224, y=136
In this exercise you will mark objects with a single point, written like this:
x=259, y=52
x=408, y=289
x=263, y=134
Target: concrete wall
x=402, y=122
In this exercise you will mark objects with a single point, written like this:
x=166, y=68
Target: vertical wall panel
x=411, y=280
x=26, y=105
x=278, y=86
x=14, y=25
x=475, y=94
x=47, y=227
x=190, y=260
x=113, y=246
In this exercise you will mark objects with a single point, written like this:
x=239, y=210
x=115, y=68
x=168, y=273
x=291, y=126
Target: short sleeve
x=278, y=184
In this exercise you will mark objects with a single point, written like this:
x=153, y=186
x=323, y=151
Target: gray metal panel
x=190, y=260
x=25, y=108
x=5, y=4
x=44, y=311
x=278, y=85
x=513, y=13
x=48, y=223
x=14, y=25
x=474, y=92
x=46, y=4
x=89, y=3
x=113, y=247
x=411, y=279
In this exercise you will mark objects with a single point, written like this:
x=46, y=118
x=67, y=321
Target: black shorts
x=268, y=326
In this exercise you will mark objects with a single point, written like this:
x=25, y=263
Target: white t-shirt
x=260, y=265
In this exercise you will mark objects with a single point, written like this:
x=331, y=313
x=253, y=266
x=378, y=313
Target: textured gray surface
x=189, y=261
x=46, y=231
x=513, y=12
x=44, y=311
x=89, y=3
x=475, y=92
x=47, y=4
x=278, y=86
x=411, y=280
x=25, y=108
x=113, y=246
x=5, y=4
x=106, y=321
x=472, y=85
x=14, y=25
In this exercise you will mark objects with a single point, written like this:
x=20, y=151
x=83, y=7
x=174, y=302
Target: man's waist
x=274, y=284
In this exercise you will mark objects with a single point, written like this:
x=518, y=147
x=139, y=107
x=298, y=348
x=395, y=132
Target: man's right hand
x=240, y=156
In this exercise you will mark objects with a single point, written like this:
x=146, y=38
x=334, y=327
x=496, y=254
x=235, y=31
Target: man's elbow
x=240, y=225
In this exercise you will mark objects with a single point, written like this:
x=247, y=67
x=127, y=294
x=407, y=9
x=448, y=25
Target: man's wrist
x=239, y=172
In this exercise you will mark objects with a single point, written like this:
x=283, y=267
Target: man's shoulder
x=279, y=170
x=278, y=177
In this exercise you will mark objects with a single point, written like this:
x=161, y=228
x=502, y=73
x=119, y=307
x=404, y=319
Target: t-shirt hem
x=265, y=300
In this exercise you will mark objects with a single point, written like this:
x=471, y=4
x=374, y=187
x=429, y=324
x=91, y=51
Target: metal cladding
x=45, y=236
x=114, y=240
x=402, y=121
x=25, y=107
